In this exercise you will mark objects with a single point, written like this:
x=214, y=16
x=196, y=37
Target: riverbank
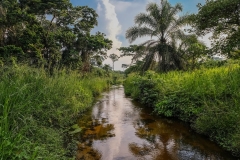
x=37, y=110
x=208, y=99
x=117, y=127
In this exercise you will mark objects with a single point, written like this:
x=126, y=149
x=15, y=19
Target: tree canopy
x=162, y=25
x=50, y=33
x=222, y=18
x=114, y=58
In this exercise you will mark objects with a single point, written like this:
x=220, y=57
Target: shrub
x=208, y=99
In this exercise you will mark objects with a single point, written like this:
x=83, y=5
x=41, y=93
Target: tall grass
x=36, y=110
x=207, y=98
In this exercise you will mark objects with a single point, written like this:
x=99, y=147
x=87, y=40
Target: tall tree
x=51, y=33
x=191, y=50
x=92, y=47
x=222, y=18
x=162, y=25
x=114, y=58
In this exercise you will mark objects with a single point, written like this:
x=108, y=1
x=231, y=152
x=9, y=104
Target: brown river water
x=117, y=128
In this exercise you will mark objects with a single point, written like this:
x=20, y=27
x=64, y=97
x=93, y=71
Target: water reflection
x=169, y=139
x=97, y=129
x=160, y=143
x=117, y=128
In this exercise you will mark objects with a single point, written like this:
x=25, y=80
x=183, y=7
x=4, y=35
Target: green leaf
x=78, y=130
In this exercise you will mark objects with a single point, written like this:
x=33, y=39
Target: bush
x=208, y=99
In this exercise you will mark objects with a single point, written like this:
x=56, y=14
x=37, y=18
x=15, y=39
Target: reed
x=37, y=110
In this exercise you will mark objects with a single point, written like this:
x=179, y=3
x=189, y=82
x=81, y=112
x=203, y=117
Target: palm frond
x=154, y=11
x=136, y=32
x=175, y=10
x=146, y=19
x=138, y=55
x=161, y=21
x=151, y=6
x=148, y=61
x=148, y=42
x=177, y=24
x=171, y=14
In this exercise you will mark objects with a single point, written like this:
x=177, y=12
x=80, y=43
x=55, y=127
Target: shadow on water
x=118, y=128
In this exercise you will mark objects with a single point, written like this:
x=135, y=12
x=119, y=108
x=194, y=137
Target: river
x=117, y=128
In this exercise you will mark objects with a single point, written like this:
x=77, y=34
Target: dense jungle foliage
x=50, y=34
x=50, y=72
x=207, y=98
x=203, y=92
x=173, y=46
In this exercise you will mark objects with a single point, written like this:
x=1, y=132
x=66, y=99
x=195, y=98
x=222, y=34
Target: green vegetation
x=57, y=80
x=201, y=91
x=52, y=34
x=37, y=110
x=220, y=17
x=114, y=58
x=206, y=98
x=47, y=58
x=168, y=47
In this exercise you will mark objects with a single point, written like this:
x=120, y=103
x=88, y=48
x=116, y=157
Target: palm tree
x=114, y=58
x=163, y=25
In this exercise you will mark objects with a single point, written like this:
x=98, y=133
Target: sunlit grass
x=36, y=110
x=207, y=98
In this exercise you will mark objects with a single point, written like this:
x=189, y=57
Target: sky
x=116, y=16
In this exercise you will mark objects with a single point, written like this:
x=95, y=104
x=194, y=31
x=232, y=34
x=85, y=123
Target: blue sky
x=189, y=5
x=116, y=16
x=90, y=3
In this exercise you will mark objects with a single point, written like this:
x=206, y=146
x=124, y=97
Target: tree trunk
x=84, y=56
x=163, y=64
x=162, y=53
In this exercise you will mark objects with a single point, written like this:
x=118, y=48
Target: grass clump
x=209, y=99
x=36, y=110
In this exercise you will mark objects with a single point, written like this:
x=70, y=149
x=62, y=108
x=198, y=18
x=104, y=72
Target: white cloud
x=125, y=13
x=206, y=39
x=116, y=16
x=99, y=8
x=111, y=24
x=122, y=6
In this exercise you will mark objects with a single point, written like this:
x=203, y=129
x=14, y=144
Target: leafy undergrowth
x=36, y=110
x=209, y=99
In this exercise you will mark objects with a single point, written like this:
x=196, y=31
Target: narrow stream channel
x=117, y=128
